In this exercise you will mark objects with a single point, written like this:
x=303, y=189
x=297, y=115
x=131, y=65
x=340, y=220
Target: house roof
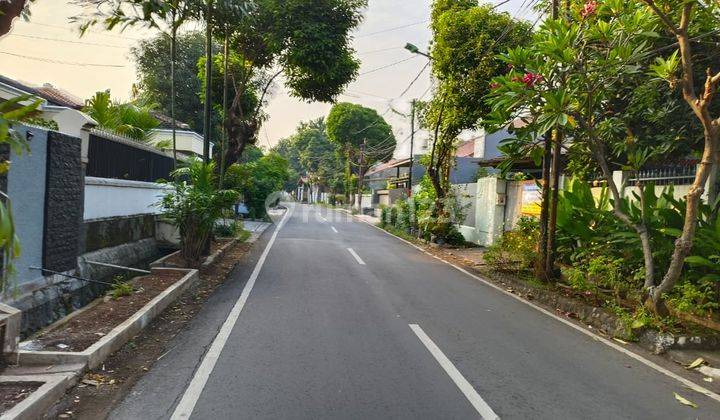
x=466, y=148
x=392, y=163
x=57, y=96
x=166, y=121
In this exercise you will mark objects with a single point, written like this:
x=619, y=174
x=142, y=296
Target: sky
x=48, y=49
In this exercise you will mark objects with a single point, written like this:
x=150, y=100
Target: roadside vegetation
x=604, y=86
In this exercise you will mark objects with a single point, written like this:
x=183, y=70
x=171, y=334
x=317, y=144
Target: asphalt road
x=341, y=320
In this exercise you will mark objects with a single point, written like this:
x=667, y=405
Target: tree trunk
x=683, y=245
x=552, y=214
x=641, y=229
x=540, y=264
x=173, y=59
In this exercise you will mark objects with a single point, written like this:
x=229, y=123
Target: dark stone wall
x=105, y=233
x=63, y=202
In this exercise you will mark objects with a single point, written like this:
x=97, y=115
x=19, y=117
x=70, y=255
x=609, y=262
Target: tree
x=129, y=119
x=149, y=13
x=9, y=10
x=363, y=136
x=194, y=204
x=588, y=77
x=678, y=18
x=151, y=57
x=308, y=42
x=258, y=180
x=466, y=41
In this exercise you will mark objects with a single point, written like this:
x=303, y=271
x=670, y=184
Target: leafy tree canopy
x=151, y=58
x=466, y=41
x=349, y=125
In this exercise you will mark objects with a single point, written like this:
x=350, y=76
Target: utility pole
x=223, y=140
x=361, y=174
x=412, y=145
x=208, y=81
x=173, y=58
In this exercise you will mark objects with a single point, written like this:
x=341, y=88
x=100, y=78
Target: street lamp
x=415, y=50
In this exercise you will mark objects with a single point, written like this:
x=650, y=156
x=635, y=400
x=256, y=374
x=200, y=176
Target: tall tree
x=167, y=16
x=466, y=40
x=308, y=42
x=363, y=136
x=681, y=19
x=151, y=57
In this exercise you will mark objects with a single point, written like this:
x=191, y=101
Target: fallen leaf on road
x=620, y=341
x=697, y=362
x=708, y=379
x=684, y=401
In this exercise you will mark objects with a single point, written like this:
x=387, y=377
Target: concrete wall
x=486, y=224
x=106, y=197
x=26, y=188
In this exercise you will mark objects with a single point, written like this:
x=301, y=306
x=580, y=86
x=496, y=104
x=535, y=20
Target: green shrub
x=227, y=230
x=194, y=205
x=121, y=289
x=455, y=238
x=516, y=250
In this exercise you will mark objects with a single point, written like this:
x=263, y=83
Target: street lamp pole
x=412, y=145
x=415, y=50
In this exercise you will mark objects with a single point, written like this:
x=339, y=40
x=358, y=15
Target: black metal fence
x=108, y=158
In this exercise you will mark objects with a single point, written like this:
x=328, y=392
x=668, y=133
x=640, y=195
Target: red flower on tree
x=589, y=9
x=531, y=78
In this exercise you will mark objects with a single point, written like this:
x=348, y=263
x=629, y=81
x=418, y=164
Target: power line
x=393, y=29
x=68, y=41
x=381, y=50
x=101, y=33
x=422, y=70
x=386, y=66
x=69, y=63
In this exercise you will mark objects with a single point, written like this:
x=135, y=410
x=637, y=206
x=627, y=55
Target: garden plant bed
x=12, y=393
x=121, y=370
x=88, y=327
x=217, y=247
x=94, y=333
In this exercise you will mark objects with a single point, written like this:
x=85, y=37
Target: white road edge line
x=688, y=383
x=357, y=257
x=465, y=387
x=333, y=228
x=186, y=405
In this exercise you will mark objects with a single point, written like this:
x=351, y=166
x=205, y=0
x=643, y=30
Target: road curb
x=36, y=405
x=686, y=382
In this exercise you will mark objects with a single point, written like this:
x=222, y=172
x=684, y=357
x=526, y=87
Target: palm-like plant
x=194, y=205
x=131, y=120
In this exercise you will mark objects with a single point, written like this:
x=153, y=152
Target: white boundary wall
x=105, y=197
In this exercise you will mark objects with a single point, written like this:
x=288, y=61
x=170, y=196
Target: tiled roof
x=59, y=97
x=166, y=121
x=466, y=149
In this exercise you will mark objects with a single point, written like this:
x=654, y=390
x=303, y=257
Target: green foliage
x=351, y=125
x=130, y=120
x=120, y=289
x=151, y=57
x=258, y=180
x=467, y=39
x=516, y=250
x=227, y=230
x=194, y=204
